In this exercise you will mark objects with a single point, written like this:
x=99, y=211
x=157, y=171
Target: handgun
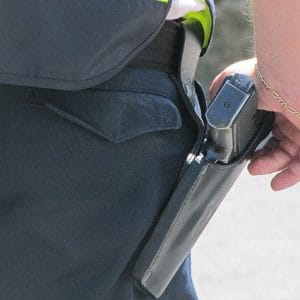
x=232, y=119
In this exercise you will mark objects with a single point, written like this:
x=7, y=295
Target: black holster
x=201, y=187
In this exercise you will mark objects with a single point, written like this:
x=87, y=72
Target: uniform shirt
x=180, y=7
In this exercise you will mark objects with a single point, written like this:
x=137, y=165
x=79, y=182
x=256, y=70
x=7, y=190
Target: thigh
x=84, y=176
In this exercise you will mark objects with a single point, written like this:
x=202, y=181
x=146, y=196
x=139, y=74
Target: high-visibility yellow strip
x=204, y=17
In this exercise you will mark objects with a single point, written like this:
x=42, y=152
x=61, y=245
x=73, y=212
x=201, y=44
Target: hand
x=282, y=152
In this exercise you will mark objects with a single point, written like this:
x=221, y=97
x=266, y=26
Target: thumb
x=216, y=84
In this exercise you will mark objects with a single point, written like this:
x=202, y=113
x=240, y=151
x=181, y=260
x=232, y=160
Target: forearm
x=277, y=44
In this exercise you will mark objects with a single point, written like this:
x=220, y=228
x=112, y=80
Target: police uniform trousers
x=84, y=177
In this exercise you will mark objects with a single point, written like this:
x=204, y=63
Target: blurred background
x=232, y=38
x=251, y=247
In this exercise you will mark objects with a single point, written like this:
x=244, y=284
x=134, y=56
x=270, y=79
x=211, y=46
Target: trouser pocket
x=115, y=115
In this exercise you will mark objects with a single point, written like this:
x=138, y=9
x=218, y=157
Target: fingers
x=290, y=136
x=275, y=156
x=287, y=144
x=285, y=179
x=216, y=84
x=271, y=144
x=246, y=67
x=269, y=162
x=288, y=177
x=284, y=156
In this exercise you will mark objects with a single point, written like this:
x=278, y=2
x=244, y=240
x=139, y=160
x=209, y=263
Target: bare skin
x=277, y=44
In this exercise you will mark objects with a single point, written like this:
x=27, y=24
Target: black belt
x=163, y=53
x=175, y=49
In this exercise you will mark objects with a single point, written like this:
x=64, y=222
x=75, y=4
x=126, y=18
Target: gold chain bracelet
x=275, y=95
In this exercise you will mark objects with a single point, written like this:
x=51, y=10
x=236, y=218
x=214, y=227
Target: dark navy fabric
x=67, y=44
x=84, y=176
x=72, y=45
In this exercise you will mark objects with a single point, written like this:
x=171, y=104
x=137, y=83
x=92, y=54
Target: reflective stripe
x=181, y=7
x=205, y=18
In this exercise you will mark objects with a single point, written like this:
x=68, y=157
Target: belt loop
x=190, y=53
x=191, y=49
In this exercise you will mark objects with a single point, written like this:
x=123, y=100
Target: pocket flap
x=115, y=115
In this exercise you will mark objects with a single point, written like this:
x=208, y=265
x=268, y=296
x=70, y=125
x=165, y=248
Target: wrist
x=274, y=97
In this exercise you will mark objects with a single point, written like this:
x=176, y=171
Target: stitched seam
x=73, y=119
